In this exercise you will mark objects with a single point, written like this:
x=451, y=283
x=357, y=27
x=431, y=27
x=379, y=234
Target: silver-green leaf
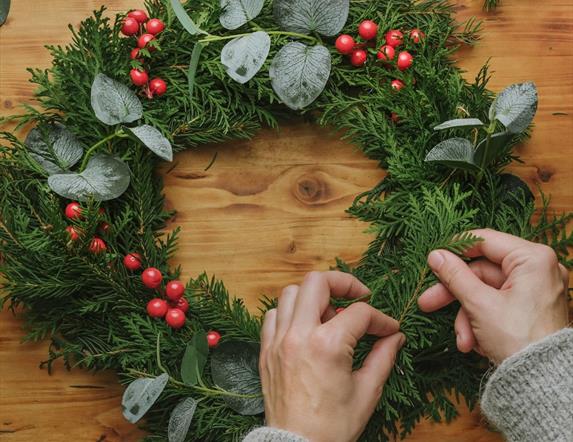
x=455, y=152
x=140, y=395
x=104, y=178
x=180, y=420
x=327, y=17
x=244, y=56
x=299, y=73
x=184, y=18
x=194, y=358
x=234, y=368
x=4, y=10
x=113, y=102
x=516, y=106
x=56, y=149
x=238, y=12
x=193, y=64
x=459, y=122
x=154, y=141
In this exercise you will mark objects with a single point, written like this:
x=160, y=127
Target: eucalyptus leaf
x=497, y=146
x=238, y=12
x=459, y=122
x=299, y=73
x=56, y=150
x=140, y=395
x=244, y=56
x=306, y=16
x=194, y=358
x=234, y=368
x=193, y=64
x=104, y=178
x=184, y=18
x=113, y=102
x=154, y=141
x=4, y=10
x=455, y=153
x=180, y=420
x=516, y=106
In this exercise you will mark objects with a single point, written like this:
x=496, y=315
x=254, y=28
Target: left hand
x=306, y=359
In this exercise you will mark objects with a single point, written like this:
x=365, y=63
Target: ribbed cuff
x=529, y=397
x=268, y=434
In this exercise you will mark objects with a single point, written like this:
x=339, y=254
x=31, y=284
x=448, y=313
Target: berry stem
x=119, y=134
x=212, y=38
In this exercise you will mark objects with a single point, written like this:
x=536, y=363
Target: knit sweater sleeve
x=268, y=434
x=529, y=397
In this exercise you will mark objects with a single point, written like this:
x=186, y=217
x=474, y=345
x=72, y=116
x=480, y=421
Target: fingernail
x=435, y=260
x=402, y=340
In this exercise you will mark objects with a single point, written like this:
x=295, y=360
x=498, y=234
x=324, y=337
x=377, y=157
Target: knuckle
x=451, y=274
x=325, y=341
x=311, y=276
x=291, y=343
x=292, y=288
x=546, y=255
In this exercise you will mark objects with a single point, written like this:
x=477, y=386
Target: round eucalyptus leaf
x=516, y=106
x=140, y=395
x=305, y=16
x=457, y=153
x=299, y=73
x=113, y=102
x=55, y=148
x=180, y=420
x=238, y=12
x=154, y=141
x=244, y=56
x=4, y=10
x=235, y=369
x=104, y=178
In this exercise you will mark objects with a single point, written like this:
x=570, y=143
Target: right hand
x=514, y=295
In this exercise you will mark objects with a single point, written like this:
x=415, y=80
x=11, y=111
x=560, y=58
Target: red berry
x=175, y=318
x=182, y=305
x=130, y=26
x=174, y=290
x=339, y=310
x=151, y=277
x=104, y=227
x=368, y=29
x=139, y=15
x=97, y=245
x=132, y=261
x=394, y=38
x=157, y=308
x=358, y=57
x=154, y=26
x=139, y=78
x=394, y=117
x=397, y=85
x=213, y=338
x=386, y=53
x=344, y=44
x=144, y=39
x=74, y=235
x=73, y=210
x=157, y=87
x=134, y=53
x=405, y=60
x=416, y=35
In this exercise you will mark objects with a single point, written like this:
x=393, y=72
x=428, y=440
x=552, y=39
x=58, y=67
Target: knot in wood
x=310, y=189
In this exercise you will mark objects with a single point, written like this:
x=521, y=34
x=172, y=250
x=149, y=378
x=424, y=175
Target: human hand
x=306, y=359
x=514, y=295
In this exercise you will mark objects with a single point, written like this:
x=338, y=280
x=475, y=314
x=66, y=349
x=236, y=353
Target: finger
x=328, y=314
x=465, y=338
x=565, y=276
x=314, y=295
x=457, y=277
x=268, y=330
x=495, y=245
x=488, y=272
x=435, y=298
x=377, y=366
x=285, y=308
x=359, y=319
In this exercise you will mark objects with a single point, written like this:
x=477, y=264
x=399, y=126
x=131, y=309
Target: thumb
x=457, y=277
x=377, y=366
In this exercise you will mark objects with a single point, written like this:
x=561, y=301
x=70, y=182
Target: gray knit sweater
x=529, y=397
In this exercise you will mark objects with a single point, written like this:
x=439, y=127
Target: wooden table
x=271, y=209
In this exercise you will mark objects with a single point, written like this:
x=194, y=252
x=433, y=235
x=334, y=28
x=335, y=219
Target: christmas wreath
x=81, y=209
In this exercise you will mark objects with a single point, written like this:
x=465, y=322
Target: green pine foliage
x=93, y=310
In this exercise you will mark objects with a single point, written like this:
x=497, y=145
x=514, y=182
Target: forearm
x=530, y=395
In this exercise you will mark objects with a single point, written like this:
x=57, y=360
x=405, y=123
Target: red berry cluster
x=368, y=32
x=74, y=211
x=137, y=24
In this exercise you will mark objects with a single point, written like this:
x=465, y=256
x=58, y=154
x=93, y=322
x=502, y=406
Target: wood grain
x=272, y=208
